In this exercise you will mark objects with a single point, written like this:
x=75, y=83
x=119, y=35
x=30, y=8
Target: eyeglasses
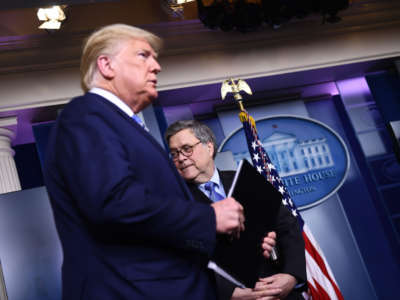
x=186, y=150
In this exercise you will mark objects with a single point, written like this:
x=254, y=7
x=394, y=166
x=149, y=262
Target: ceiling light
x=174, y=7
x=181, y=1
x=51, y=16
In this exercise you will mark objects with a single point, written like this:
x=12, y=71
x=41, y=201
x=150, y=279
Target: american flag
x=321, y=282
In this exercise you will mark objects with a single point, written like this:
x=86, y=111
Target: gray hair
x=200, y=131
x=105, y=41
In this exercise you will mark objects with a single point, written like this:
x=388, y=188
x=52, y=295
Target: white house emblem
x=310, y=157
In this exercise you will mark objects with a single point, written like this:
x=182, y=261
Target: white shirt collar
x=215, y=178
x=113, y=99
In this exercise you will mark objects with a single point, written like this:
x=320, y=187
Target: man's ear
x=210, y=147
x=105, y=67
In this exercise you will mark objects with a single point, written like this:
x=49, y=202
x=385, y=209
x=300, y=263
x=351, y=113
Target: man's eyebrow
x=143, y=50
x=151, y=52
x=185, y=145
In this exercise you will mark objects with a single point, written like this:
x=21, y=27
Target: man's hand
x=229, y=216
x=268, y=243
x=281, y=281
x=242, y=294
x=249, y=294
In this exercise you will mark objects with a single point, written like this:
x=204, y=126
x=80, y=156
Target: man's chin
x=153, y=94
x=187, y=175
x=146, y=101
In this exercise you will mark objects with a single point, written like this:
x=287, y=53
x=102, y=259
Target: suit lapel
x=197, y=194
x=146, y=135
x=139, y=128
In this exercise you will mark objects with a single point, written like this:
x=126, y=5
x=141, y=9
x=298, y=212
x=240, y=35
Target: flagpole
x=230, y=86
x=235, y=87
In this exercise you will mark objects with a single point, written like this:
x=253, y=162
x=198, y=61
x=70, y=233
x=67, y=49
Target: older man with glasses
x=193, y=149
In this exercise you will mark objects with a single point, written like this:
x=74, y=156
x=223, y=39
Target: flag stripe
x=321, y=282
x=318, y=250
x=317, y=279
x=319, y=261
x=318, y=293
x=315, y=254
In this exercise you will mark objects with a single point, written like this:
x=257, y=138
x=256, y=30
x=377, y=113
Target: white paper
x=213, y=266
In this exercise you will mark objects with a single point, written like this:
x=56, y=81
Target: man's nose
x=156, y=68
x=181, y=157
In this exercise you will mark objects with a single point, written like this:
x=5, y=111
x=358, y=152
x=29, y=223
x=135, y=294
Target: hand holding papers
x=241, y=258
x=229, y=216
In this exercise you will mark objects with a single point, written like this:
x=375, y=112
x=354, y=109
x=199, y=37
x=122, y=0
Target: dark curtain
x=249, y=15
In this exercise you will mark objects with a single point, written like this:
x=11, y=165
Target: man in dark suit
x=128, y=225
x=193, y=149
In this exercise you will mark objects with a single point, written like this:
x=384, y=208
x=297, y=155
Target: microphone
x=274, y=254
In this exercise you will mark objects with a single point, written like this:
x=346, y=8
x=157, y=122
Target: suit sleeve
x=290, y=245
x=225, y=288
x=114, y=198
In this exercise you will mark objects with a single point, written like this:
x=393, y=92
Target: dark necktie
x=211, y=188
